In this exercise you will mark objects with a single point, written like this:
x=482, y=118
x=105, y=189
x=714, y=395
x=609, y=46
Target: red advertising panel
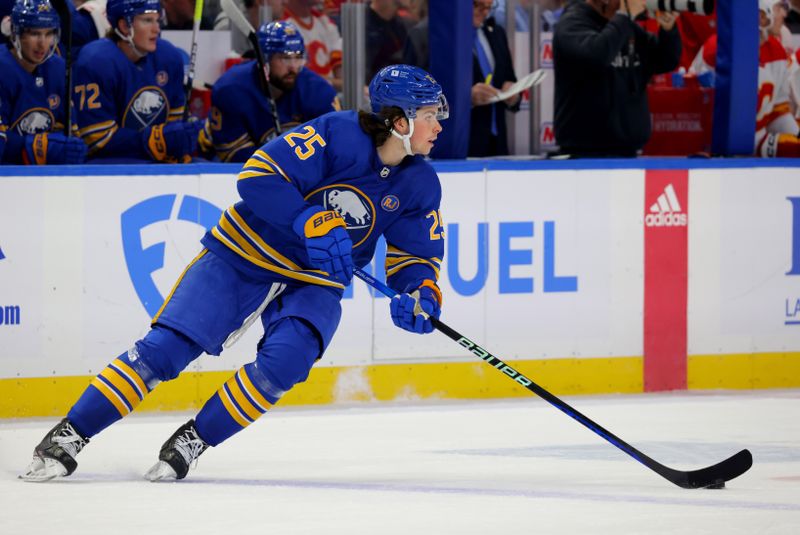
x=666, y=221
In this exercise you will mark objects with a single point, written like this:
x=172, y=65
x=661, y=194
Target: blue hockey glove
x=413, y=311
x=53, y=148
x=328, y=244
x=172, y=142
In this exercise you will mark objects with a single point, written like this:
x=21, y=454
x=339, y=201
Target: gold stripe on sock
x=110, y=395
x=241, y=400
x=231, y=409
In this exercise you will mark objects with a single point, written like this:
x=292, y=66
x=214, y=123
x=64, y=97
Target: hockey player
x=240, y=119
x=129, y=90
x=314, y=202
x=776, y=127
x=32, y=100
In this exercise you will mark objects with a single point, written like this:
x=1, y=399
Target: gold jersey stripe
x=172, y=291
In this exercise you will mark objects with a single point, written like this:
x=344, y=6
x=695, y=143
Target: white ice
x=483, y=467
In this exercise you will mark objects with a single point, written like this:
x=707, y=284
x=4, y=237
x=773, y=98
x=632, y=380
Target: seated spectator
x=415, y=49
x=240, y=119
x=32, y=90
x=322, y=39
x=603, y=61
x=493, y=71
x=386, y=36
x=129, y=90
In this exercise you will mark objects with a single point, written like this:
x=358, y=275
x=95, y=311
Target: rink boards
x=589, y=277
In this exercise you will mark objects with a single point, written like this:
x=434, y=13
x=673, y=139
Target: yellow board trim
x=53, y=396
x=743, y=371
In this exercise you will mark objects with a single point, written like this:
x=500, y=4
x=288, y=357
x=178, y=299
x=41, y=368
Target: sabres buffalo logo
x=148, y=107
x=352, y=204
x=35, y=121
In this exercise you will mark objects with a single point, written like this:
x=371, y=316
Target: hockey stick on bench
x=710, y=477
x=238, y=19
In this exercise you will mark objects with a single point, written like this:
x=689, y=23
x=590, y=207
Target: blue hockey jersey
x=116, y=99
x=30, y=103
x=331, y=162
x=240, y=118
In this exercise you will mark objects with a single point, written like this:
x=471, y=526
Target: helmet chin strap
x=18, y=47
x=129, y=39
x=406, y=139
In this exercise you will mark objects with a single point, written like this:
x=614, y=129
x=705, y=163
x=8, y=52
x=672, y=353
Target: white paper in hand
x=531, y=80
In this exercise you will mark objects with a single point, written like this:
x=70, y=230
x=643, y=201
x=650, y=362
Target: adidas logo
x=666, y=211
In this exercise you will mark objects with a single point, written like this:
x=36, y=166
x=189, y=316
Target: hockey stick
x=239, y=20
x=66, y=22
x=198, y=14
x=710, y=477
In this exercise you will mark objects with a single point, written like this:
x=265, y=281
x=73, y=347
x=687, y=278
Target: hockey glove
x=53, y=148
x=413, y=311
x=327, y=242
x=172, y=142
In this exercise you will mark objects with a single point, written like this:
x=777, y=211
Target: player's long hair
x=379, y=126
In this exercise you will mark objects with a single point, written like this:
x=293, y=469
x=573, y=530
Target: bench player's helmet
x=34, y=15
x=280, y=37
x=408, y=88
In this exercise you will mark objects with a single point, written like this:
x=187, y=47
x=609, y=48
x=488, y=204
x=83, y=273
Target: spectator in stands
x=695, y=30
x=322, y=39
x=415, y=50
x=241, y=119
x=386, y=36
x=603, y=61
x=493, y=71
x=129, y=90
x=32, y=90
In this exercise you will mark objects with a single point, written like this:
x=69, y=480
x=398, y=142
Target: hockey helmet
x=127, y=9
x=33, y=14
x=409, y=88
x=280, y=37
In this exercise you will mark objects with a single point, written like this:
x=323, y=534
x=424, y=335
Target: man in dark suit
x=493, y=71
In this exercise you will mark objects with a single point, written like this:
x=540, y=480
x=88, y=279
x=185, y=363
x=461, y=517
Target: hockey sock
x=238, y=403
x=114, y=393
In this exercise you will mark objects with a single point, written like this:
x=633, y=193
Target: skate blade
x=43, y=470
x=161, y=471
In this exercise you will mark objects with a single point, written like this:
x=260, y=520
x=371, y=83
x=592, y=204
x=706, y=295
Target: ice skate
x=177, y=454
x=55, y=454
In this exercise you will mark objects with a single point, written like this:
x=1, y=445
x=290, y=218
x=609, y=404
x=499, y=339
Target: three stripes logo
x=666, y=211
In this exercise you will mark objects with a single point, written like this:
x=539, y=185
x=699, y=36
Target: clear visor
x=442, y=108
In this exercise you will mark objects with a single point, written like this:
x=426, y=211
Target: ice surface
x=486, y=467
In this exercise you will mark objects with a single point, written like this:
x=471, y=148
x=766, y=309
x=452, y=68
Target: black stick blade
x=710, y=477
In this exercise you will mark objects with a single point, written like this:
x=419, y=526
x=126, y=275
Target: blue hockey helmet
x=280, y=37
x=30, y=14
x=127, y=9
x=409, y=88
